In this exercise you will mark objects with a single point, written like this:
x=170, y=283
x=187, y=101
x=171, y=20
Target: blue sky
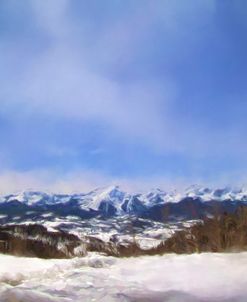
x=142, y=93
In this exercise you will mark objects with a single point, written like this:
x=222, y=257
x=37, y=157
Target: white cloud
x=83, y=181
x=49, y=181
x=80, y=181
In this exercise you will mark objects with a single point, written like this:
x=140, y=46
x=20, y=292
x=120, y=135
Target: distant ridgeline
x=221, y=233
x=156, y=205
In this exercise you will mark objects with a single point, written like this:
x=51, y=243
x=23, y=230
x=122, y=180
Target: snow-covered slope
x=113, y=201
x=218, y=194
x=106, y=199
x=116, y=196
x=198, y=278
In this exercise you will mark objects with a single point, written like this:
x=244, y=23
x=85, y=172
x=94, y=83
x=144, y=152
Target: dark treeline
x=221, y=233
x=36, y=241
x=225, y=232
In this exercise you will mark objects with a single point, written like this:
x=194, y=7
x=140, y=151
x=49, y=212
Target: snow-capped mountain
x=219, y=194
x=107, y=199
x=112, y=201
x=116, y=197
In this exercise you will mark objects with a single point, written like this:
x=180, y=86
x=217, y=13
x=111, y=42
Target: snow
x=104, y=236
x=198, y=277
x=46, y=215
x=114, y=196
x=27, y=197
x=147, y=243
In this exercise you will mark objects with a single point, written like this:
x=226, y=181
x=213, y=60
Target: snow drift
x=198, y=277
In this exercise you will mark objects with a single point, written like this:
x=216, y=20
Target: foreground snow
x=204, y=277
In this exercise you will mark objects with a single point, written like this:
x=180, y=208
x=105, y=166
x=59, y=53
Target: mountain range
x=193, y=203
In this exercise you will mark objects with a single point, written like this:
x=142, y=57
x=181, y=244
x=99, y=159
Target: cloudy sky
x=142, y=93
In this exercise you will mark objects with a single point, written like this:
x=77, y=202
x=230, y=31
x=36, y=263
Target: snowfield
x=170, y=278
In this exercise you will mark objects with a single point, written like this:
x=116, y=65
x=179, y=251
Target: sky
x=140, y=93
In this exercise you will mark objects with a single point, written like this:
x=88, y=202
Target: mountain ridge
x=112, y=201
x=114, y=192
